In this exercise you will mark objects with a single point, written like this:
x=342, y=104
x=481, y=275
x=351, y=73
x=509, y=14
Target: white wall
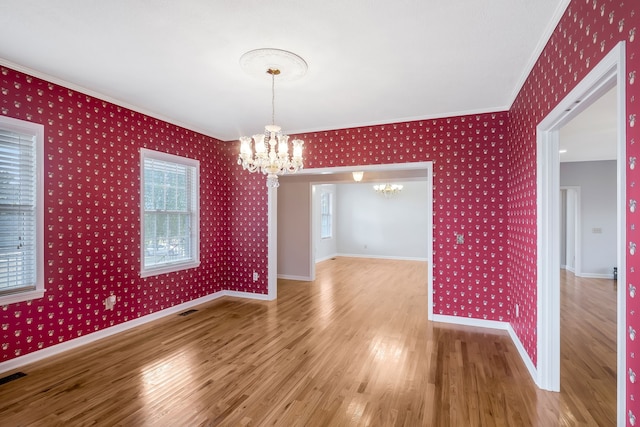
x=370, y=225
x=394, y=228
x=597, y=182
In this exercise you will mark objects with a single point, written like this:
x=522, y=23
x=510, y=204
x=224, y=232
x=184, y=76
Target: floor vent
x=188, y=312
x=12, y=377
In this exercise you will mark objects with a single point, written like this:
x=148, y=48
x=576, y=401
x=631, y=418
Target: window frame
x=37, y=289
x=194, y=261
x=328, y=215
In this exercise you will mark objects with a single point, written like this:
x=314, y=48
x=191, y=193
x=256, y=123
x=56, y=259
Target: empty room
x=317, y=213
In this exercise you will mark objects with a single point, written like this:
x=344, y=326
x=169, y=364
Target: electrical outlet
x=109, y=302
x=459, y=239
x=255, y=276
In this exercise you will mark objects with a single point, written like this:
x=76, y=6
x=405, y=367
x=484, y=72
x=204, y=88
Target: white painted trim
x=247, y=295
x=365, y=168
x=471, y=321
x=36, y=130
x=298, y=278
x=523, y=353
x=606, y=74
x=552, y=23
x=386, y=167
x=193, y=166
x=272, y=245
x=122, y=327
x=326, y=258
x=596, y=276
x=103, y=333
x=492, y=324
x=398, y=258
x=80, y=89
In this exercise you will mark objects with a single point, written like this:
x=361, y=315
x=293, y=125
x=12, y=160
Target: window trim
x=146, y=153
x=329, y=215
x=37, y=130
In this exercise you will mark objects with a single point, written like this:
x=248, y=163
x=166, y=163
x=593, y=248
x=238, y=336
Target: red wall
x=92, y=214
x=92, y=219
x=588, y=30
x=469, y=155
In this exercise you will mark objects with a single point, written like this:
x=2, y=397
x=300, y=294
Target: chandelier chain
x=273, y=98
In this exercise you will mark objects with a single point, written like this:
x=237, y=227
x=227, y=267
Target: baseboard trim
x=523, y=354
x=397, y=258
x=248, y=295
x=326, y=258
x=493, y=324
x=112, y=330
x=290, y=277
x=596, y=276
x=469, y=321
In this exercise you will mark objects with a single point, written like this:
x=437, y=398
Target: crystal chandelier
x=270, y=151
x=388, y=190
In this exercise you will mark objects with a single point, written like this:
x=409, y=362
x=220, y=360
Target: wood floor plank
x=354, y=347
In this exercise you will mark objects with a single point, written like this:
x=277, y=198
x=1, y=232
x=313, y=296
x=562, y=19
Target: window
x=21, y=211
x=326, y=224
x=170, y=213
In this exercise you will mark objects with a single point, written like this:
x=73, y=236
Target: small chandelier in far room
x=270, y=151
x=388, y=190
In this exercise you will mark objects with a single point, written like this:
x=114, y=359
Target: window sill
x=22, y=296
x=149, y=272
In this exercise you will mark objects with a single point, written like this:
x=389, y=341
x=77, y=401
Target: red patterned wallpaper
x=92, y=219
x=483, y=186
x=469, y=155
x=588, y=30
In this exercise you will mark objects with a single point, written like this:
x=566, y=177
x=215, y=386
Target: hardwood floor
x=352, y=348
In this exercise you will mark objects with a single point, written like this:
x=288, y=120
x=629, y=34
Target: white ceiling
x=592, y=135
x=370, y=62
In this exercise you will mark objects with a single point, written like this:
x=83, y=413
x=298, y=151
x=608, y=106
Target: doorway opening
x=608, y=74
x=307, y=178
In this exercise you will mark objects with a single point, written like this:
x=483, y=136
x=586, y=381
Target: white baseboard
x=249, y=295
x=596, y=276
x=493, y=324
x=523, y=354
x=569, y=268
x=469, y=321
x=399, y=258
x=326, y=258
x=107, y=332
x=290, y=277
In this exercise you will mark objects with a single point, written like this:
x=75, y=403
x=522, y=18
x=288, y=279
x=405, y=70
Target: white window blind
x=170, y=211
x=19, y=221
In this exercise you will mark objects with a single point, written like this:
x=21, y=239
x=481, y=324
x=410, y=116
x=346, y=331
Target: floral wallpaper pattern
x=588, y=30
x=92, y=215
x=484, y=188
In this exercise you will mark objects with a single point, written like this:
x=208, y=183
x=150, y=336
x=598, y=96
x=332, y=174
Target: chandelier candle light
x=388, y=190
x=270, y=151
